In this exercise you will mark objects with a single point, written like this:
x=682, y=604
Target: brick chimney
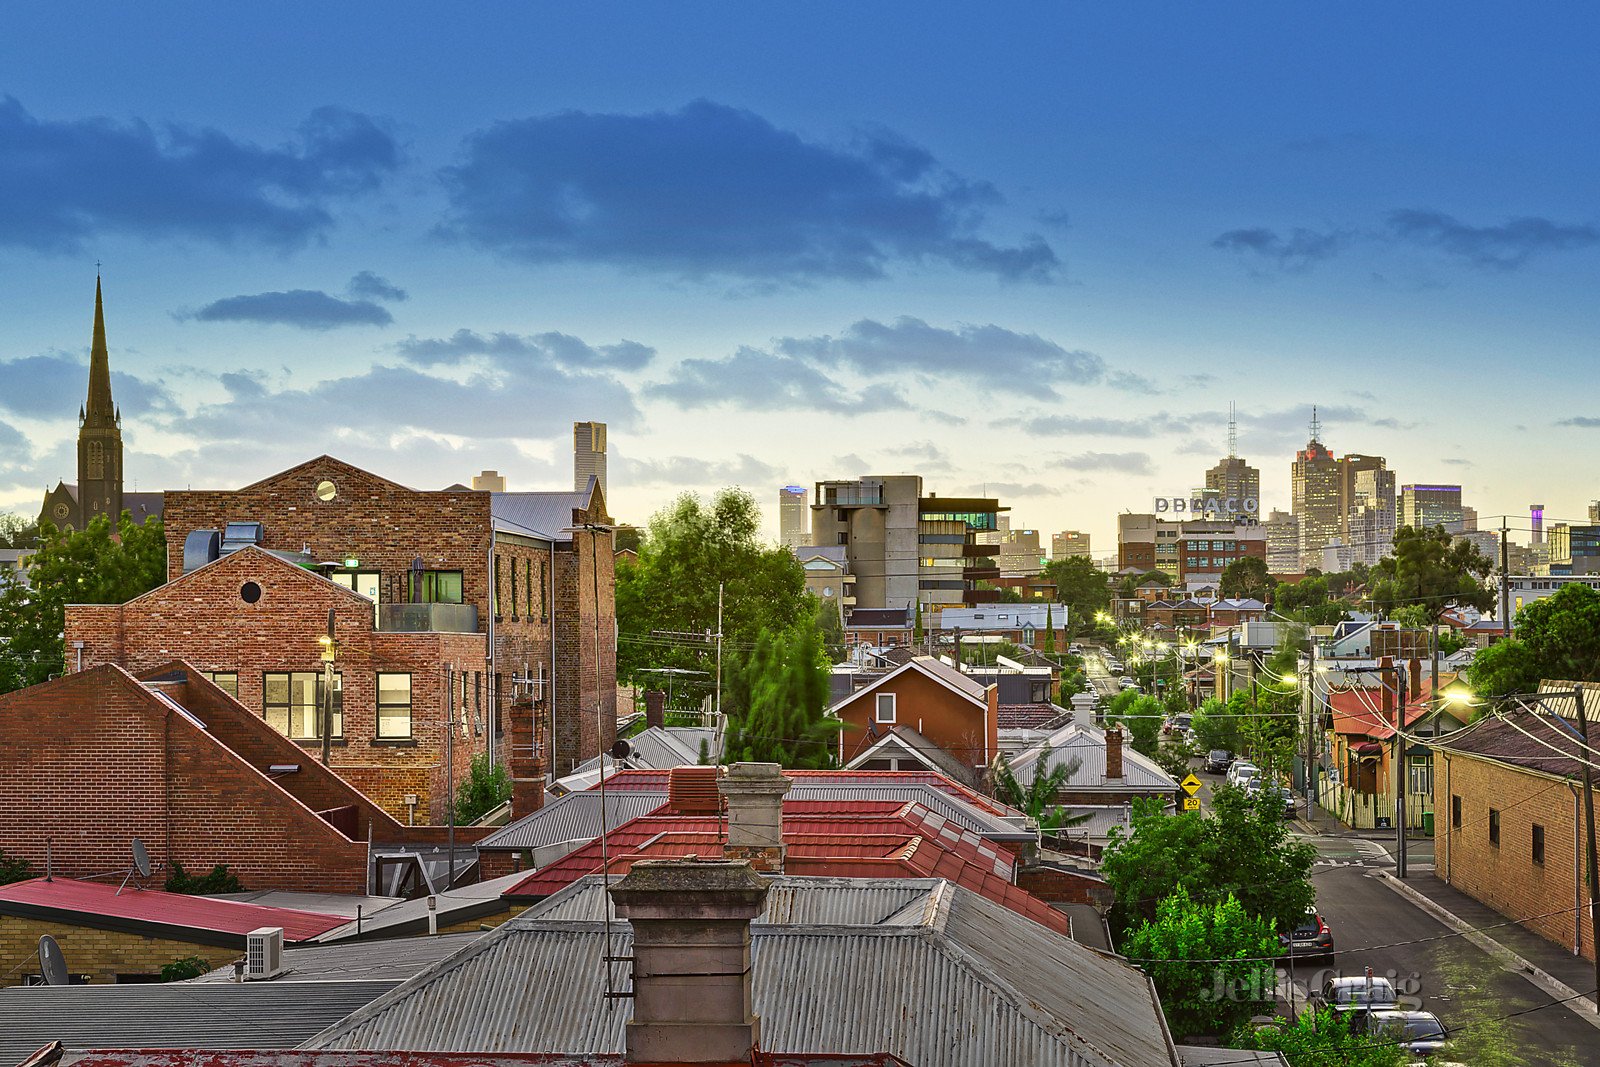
x=1391, y=685
x=655, y=707
x=691, y=960
x=754, y=794
x=1414, y=679
x=522, y=758
x=1114, y=753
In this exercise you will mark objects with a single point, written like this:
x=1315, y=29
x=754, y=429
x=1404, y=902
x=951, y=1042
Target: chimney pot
x=691, y=959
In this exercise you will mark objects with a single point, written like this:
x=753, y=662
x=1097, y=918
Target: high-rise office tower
x=1367, y=507
x=794, y=517
x=1069, y=543
x=1431, y=505
x=1283, y=542
x=1315, y=484
x=1234, y=479
x=1594, y=511
x=1536, y=522
x=589, y=455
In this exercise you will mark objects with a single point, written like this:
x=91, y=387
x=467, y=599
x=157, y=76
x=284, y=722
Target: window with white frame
x=394, y=705
x=885, y=708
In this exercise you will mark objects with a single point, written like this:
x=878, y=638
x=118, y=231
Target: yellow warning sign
x=1191, y=803
x=1190, y=785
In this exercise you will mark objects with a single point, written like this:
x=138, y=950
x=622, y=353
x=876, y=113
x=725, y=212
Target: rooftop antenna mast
x=1233, y=433
x=1316, y=425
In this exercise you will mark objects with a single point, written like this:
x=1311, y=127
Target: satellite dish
x=621, y=749
x=141, y=858
x=52, y=962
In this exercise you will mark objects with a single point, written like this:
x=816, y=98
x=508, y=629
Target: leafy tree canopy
x=1241, y=847
x=1084, y=588
x=1557, y=637
x=692, y=547
x=1308, y=601
x=1431, y=570
x=1247, y=577
x=776, y=696
x=488, y=785
x=95, y=565
x=16, y=531
x=1179, y=950
x=1321, y=1039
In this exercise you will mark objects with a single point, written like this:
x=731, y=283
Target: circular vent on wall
x=326, y=490
x=249, y=592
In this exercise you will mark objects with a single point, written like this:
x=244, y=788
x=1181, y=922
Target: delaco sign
x=1207, y=505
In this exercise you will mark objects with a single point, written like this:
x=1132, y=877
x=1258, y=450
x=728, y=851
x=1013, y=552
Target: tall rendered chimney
x=691, y=960
x=754, y=793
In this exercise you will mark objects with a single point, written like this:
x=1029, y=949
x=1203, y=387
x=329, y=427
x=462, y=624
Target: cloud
x=1294, y=253
x=370, y=286
x=65, y=182
x=1115, y=462
x=1468, y=462
x=1100, y=426
x=306, y=309
x=1006, y=490
x=761, y=381
x=47, y=386
x=925, y=452
x=1586, y=422
x=742, y=469
x=711, y=190
x=1503, y=247
x=1000, y=358
x=509, y=350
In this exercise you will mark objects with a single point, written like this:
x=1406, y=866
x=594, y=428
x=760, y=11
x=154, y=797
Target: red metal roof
x=655, y=781
x=69, y=897
x=1358, y=712
x=165, y=1057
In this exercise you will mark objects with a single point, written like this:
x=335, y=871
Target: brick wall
x=203, y=618
x=1065, y=887
x=1505, y=877
x=946, y=718
x=94, y=759
x=100, y=954
x=585, y=690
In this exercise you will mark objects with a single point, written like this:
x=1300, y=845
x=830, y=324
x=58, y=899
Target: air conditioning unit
x=263, y=954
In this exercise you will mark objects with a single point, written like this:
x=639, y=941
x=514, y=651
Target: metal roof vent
x=199, y=548
x=236, y=535
x=263, y=954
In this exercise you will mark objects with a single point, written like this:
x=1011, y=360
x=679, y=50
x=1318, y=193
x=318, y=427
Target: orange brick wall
x=1505, y=877
x=947, y=719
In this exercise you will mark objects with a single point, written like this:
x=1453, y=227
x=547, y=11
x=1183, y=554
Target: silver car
x=1415, y=1031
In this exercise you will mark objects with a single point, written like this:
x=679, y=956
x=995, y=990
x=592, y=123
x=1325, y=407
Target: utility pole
x=329, y=650
x=1588, y=824
x=450, y=770
x=1400, y=771
x=720, y=586
x=1505, y=581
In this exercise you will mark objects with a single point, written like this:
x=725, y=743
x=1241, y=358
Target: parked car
x=1076, y=650
x=1241, y=771
x=1128, y=683
x=1357, y=995
x=1218, y=760
x=1180, y=723
x=1419, y=1032
x=1312, y=939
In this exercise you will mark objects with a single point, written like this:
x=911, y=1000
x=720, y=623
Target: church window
x=97, y=459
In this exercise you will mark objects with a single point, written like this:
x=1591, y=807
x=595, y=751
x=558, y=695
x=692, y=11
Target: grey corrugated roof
x=915, y=744
x=545, y=515
x=452, y=906
x=792, y=899
x=572, y=817
x=1003, y=617
x=391, y=959
x=175, y=1015
x=1087, y=745
x=1215, y=1055
x=972, y=983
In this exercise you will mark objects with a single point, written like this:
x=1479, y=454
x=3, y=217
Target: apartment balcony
x=428, y=618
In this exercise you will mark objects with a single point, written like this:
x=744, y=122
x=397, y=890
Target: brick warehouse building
x=252, y=621
x=99, y=757
x=531, y=572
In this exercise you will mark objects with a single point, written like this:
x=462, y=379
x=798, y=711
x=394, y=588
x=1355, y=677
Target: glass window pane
x=394, y=689
x=277, y=689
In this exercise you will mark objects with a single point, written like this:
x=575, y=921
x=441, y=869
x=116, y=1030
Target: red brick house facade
x=535, y=568
x=949, y=709
x=99, y=757
x=252, y=621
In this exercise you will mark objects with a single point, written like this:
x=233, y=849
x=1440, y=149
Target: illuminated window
x=292, y=703
x=394, y=705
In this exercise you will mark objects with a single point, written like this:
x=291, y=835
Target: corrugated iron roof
x=175, y=1015
x=179, y=911
x=573, y=817
x=1087, y=745
x=972, y=983
x=389, y=959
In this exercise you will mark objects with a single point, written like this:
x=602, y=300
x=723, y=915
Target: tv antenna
x=1316, y=425
x=1233, y=433
x=141, y=865
x=52, y=964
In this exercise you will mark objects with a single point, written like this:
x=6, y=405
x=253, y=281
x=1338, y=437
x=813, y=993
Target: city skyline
x=1021, y=300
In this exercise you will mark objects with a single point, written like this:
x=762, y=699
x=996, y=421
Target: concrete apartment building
x=794, y=517
x=1574, y=549
x=588, y=455
x=531, y=572
x=904, y=548
x=1069, y=543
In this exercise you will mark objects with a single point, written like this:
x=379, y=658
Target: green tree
x=1247, y=577
x=1557, y=637
x=1430, y=573
x=1321, y=1039
x=1309, y=601
x=17, y=531
x=487, y=786
x=1048, y=646
x=217, y=880
x=1037, y=799
x=831, y=627
x=693, y=547
x=777, y=699
x=916, y=627
x=91, y=566
x=1180, y=950
x=1215, y=728
x=1142, y=716
x=1241, y=847
x=1084, y=588
x=181, y=970
x=1131, y=582
x=14, y=869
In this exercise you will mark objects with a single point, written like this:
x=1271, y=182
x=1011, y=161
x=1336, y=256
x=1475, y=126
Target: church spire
x=100, y=410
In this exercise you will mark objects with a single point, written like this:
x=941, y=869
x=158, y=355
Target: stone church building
x=98, y=490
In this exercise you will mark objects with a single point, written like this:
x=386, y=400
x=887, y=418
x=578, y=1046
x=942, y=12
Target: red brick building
x=252, y=622
x=531, y=572
x=954, y=712
x=99, y=757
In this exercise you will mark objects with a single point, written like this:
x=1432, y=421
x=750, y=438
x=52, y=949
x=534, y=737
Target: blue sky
x=1033, y=248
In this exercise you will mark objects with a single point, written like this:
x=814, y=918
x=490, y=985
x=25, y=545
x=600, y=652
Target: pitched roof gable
x=946, y=676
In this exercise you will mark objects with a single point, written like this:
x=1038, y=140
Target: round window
x=249, y=592
x=326, y=490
